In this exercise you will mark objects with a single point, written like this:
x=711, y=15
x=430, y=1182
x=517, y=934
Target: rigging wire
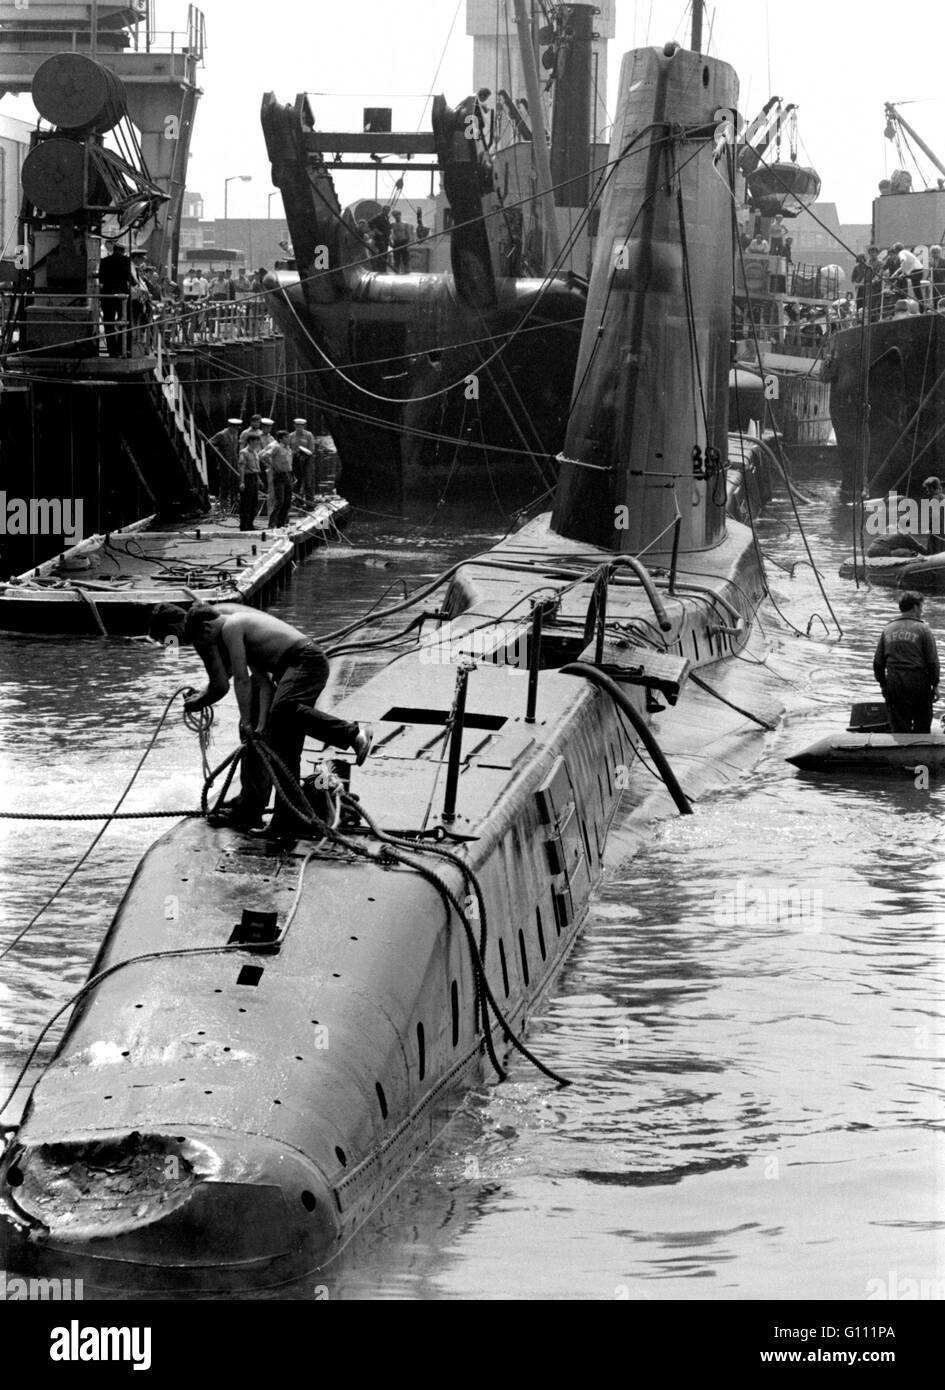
x=751, y=321
x=84, y=857
x=264, y=296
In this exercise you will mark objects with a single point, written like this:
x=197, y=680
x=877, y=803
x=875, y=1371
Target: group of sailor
x=259, y=459
x=904, y=280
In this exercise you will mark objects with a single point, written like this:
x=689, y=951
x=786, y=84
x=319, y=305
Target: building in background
x=819, y=238
x=14, y=147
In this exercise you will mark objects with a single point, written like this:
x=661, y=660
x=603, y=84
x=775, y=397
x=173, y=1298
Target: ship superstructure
x=91, y=408
x=887, y=372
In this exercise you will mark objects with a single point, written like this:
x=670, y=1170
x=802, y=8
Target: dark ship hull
x=424, y=378
x=401, y=338
x=906, y=394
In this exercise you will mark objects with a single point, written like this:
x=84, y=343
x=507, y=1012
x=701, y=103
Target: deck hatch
x=257, y=931
x=400, y=714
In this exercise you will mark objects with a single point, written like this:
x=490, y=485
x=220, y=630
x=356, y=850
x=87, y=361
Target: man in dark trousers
x=250, y=473
x=906, y=666
x=278, y=460
x=116, y=277
x=278, y=674
x=225, y=444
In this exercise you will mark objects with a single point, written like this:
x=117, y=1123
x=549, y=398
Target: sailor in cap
x=266, y=443
x=255, y=423
x=226, y=446
x=302, y=443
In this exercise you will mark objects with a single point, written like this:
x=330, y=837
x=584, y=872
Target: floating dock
x=106, y=584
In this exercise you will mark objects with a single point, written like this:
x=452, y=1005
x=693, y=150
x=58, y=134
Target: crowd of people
x=901, y=280
x=215, y=304
x=387, y=240
x=219, y=304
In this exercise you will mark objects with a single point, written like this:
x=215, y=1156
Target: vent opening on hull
x=524, y=955
x=421, y=1052
x=454, y=1010
x=505, y=968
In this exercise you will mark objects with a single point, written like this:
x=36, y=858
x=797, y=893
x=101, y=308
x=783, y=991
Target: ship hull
x=402, y=342
x=906, y=395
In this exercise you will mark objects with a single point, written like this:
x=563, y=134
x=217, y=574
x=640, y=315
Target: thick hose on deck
x=605, y=683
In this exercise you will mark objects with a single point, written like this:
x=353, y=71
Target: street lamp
x=275, y=194
x=234, y=178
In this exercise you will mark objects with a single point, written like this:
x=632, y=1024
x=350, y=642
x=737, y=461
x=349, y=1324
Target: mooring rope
x=112, y=815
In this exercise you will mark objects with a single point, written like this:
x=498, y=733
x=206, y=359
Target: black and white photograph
x=472, y=726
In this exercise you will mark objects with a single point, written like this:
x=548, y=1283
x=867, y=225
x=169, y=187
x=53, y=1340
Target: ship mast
x=539, y=140
x=697, y=8
x=893, y=115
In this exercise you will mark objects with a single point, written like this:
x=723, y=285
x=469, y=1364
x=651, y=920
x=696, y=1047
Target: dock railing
x=22, y=23
x=41, y=322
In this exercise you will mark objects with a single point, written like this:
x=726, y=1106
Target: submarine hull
x=335, y=1042
x=200, y=1073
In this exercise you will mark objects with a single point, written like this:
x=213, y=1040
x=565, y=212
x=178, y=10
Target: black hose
x=605, y=683
x=289, y=791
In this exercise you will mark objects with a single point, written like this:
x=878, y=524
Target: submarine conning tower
x=643, y=466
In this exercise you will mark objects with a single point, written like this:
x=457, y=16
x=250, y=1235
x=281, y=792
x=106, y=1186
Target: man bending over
x=278, y=674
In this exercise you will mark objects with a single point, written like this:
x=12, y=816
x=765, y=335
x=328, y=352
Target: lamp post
x=272, y=195
x=234, y=178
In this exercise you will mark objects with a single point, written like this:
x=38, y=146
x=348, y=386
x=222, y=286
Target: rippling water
x=752, y=1017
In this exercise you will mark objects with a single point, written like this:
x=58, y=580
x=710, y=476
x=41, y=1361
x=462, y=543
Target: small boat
x=924, y=573
x=868, y=745
x=105, y=585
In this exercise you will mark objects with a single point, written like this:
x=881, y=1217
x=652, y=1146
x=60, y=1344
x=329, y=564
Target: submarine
x=268, y=1042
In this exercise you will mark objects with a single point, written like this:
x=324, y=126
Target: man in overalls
x=907, y=669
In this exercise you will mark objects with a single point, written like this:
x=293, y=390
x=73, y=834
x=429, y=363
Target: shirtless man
x=278, y=674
